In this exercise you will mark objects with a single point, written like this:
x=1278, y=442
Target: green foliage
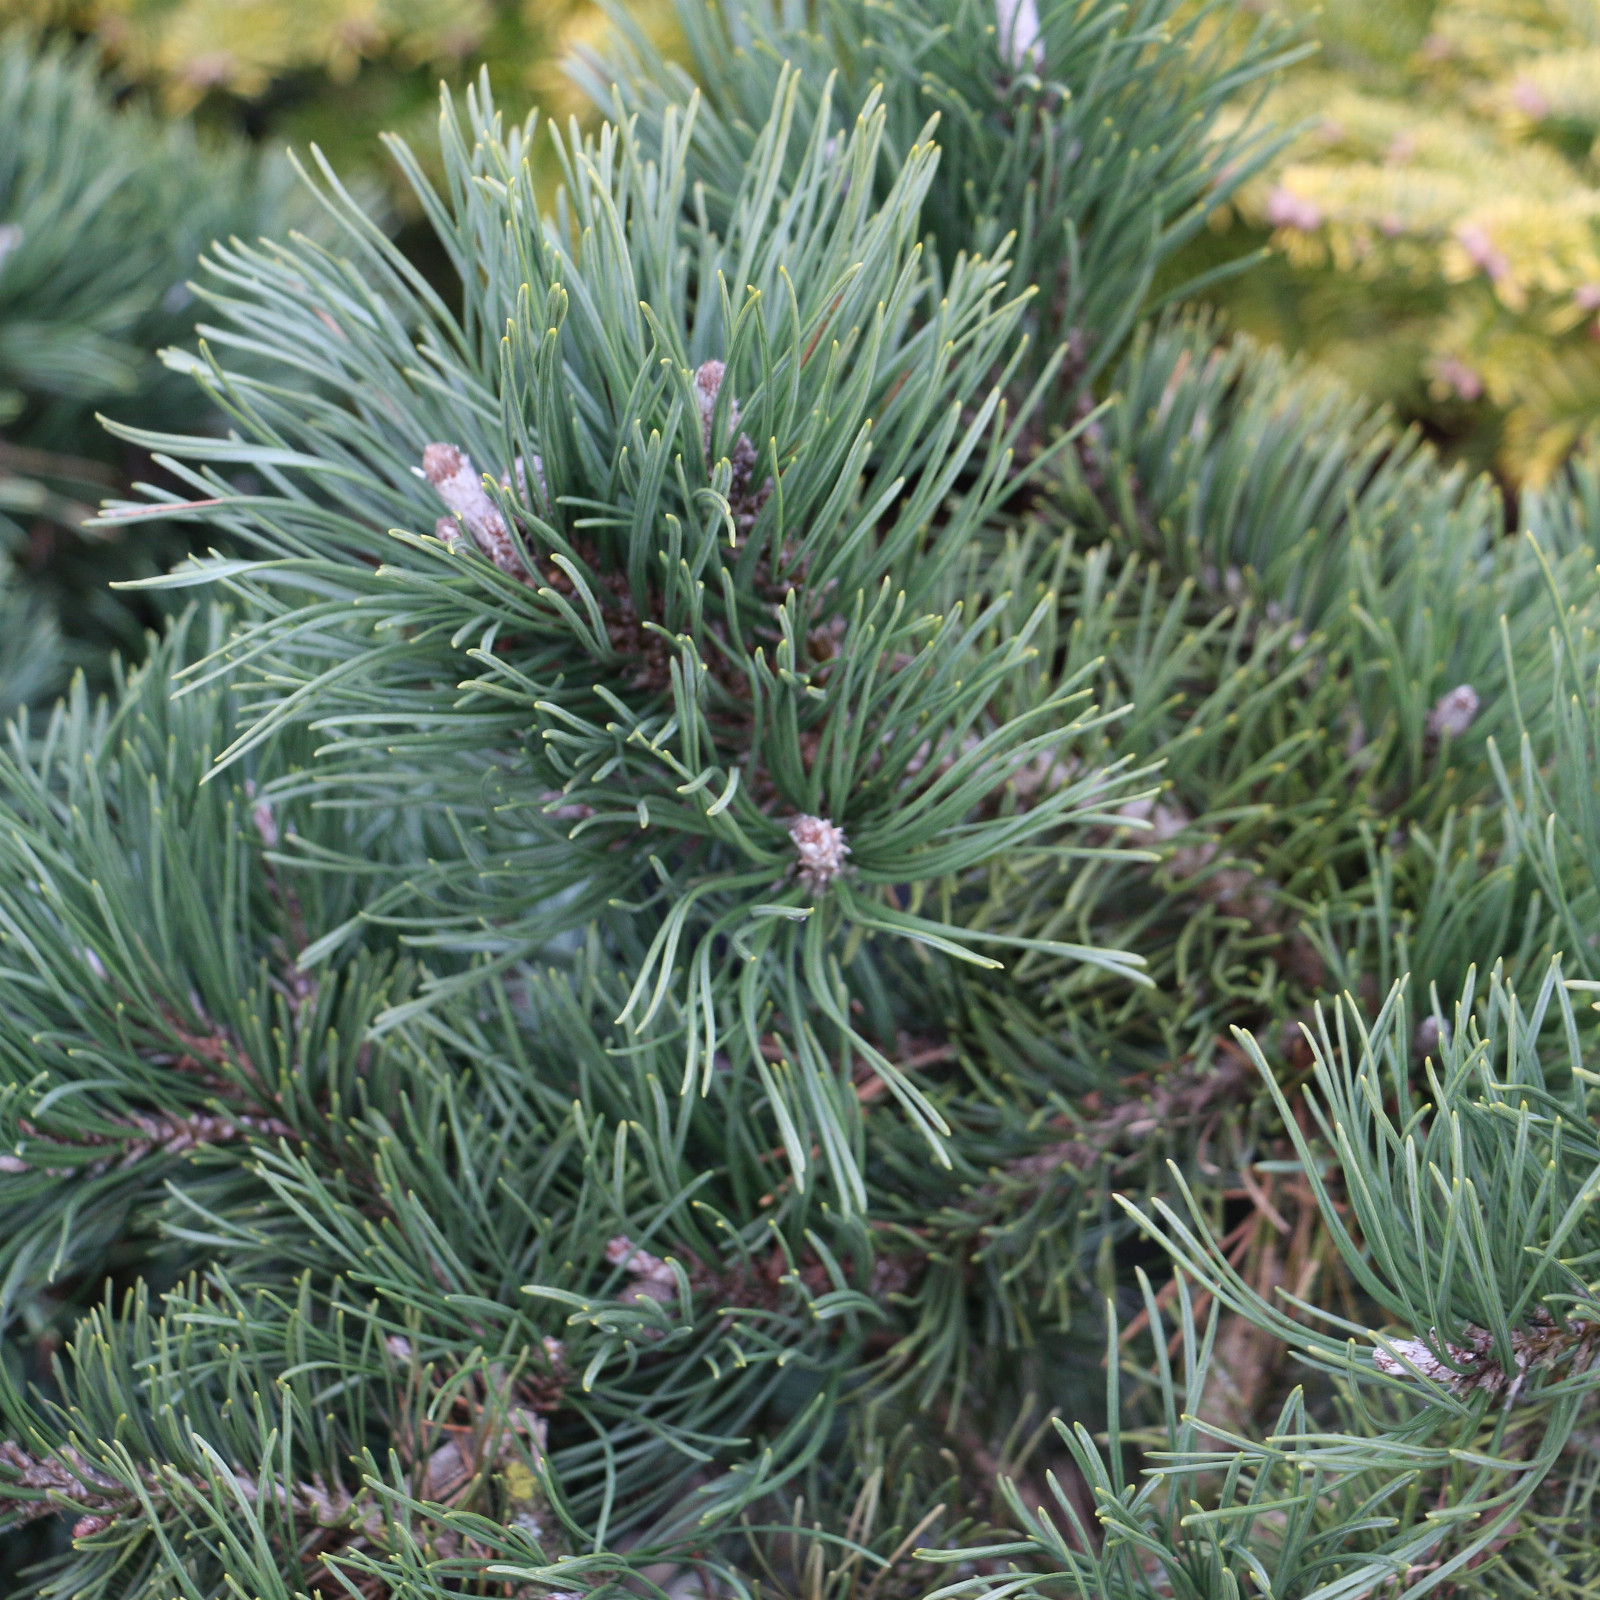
x=1092, y=175
x=682, y=701
x=778, y=817
x=103, y=213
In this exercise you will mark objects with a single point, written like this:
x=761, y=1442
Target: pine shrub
x=817, y=904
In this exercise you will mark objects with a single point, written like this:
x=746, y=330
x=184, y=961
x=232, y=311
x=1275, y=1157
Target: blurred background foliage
x=338, y=73
x=1434, y=229
x=105, y=204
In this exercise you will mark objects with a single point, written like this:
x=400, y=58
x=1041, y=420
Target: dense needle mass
x=794, y=830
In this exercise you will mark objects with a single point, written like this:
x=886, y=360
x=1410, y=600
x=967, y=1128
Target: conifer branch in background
x=103, y=209
x=1434, y=223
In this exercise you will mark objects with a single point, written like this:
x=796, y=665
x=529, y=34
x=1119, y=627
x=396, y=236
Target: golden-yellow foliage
x=191, y=46
x=1449, y=164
